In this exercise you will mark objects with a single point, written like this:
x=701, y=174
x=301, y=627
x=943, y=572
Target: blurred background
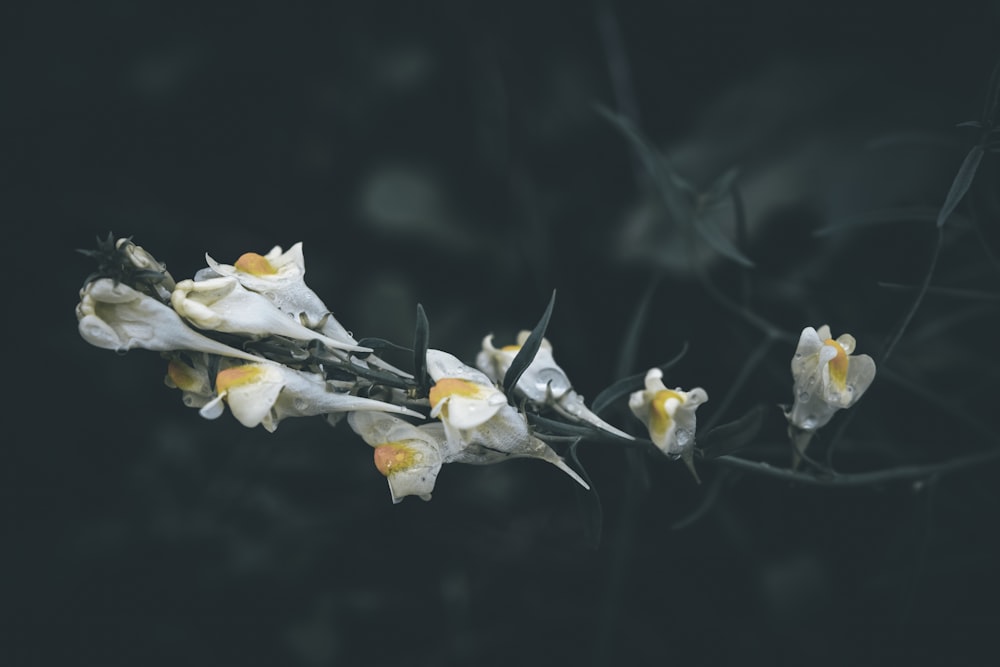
x=452, y=154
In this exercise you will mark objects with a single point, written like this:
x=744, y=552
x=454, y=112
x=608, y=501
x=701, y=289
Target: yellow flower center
x=183, y=376
x=237, y=376
x=393, y=457
x=838, y=365
x=660, y=419
x=255, y=264
x=446, y=387
x=510, y=348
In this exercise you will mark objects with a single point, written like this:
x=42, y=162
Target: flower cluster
x=253, y=337
x=477, y=425
x=260, y=305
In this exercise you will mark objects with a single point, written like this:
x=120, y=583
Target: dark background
x=451, y=155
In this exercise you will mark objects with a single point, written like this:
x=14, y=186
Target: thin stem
x=921, y=293
x=771, y=330
x=890, y=345
x=758, y=354
x=742, y=241
x=940, y=405
x=833, y=479
x=620, y=73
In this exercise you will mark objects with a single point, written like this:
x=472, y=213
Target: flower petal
x=117, y=317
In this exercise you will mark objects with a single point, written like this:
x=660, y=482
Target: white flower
x=194, y=379
x=543, y=382
x=280, y=277
x=117, y=317
x=480, y=426
x=410, y=457
x=669, y=414
x=266, y=393
x=223, y=304
x=827, y=377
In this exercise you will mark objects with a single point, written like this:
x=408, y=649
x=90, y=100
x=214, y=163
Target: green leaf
x=421, y=338
x=723, y=185
x=526, y=354
x=728, y=438
x=546, y=426
x=709, y=230
x=377, y=344
x=883, y=216
x=961, y=184
x=668, y=183
x=677, y=194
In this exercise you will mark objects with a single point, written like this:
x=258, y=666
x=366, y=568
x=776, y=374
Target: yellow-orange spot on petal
x=237, y=376
x=660, y=418
x=510, y=348
x=255, y=264
x=183, y=376
x=838, y=365
x=452, y=387
x=392, y=457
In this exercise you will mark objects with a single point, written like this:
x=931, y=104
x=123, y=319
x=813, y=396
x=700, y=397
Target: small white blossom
x=669, y=414
x=223, y=304
x=280, y=277
x=543, y=382
x=410, y=457
x=480, y=425
x=266, y=393
x=114, y=316
x=827, y=377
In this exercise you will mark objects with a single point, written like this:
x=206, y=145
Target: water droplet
x=798, y=355
x=270, y=296
x=803, y=395
x=300, y=404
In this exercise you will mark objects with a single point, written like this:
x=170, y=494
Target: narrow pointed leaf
x=884, y=216
x=630, y=341
x=668, y=184
x=561, y=428
x=377, y=344
x=677, y=194
x=421, y=339
x=961, y=184
x=526, y=354
x=709, y=230
x=723, y=185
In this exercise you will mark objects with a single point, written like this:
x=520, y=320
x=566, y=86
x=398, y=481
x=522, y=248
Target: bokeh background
x=451, y=154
